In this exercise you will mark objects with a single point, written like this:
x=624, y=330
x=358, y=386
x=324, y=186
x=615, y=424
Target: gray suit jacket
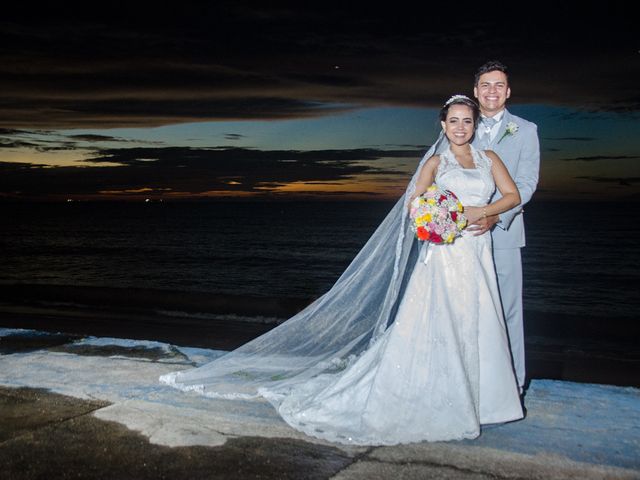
x=520, y=153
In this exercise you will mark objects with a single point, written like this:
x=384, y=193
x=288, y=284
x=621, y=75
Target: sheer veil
x=331, y=332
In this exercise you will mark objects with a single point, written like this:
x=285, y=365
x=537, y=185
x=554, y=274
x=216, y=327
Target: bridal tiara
x=456, y=97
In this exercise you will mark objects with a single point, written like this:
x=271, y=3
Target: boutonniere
x=511, y=129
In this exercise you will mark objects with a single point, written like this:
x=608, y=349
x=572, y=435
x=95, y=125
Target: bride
x=410, y=343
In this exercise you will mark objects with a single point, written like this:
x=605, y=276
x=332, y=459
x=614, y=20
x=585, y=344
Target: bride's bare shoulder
x=430, y=166
x=433, y=161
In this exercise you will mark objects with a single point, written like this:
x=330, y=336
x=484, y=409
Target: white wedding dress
x=442, y=368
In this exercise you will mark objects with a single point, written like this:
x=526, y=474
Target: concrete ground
x=77, y=408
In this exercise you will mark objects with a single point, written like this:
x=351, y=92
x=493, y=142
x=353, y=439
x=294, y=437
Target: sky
x=302, y=100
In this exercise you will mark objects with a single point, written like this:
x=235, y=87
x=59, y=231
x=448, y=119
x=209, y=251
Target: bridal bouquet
x=436, y=216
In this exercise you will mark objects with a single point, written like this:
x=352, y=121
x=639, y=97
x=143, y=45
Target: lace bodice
x=472, y=186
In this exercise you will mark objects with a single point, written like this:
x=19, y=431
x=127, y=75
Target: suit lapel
x=506, y=118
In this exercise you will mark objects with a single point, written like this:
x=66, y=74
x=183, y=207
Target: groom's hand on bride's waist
x=483, y=225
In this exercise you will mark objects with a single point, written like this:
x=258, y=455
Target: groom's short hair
x=490, y=66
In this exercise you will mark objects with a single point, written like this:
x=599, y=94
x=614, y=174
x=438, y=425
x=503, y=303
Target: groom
x=515, y=140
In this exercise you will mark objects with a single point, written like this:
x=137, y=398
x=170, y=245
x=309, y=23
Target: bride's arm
x=426, y=176
x=507, y=187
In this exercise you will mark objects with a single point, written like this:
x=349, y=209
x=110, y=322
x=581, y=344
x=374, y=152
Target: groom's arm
x=526, y=175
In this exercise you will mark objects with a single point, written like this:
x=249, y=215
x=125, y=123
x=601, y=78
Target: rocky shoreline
x=90, y=407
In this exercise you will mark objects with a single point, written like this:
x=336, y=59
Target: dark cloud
x=146, y=66
x=44, y=141
x=35, y=142
x=336, y=193
x=23, y=137
x=13, y=143
x=146, y=171
x=13, y=131
x=595, y=158
x=227, y=156
x=96, y=138
x=141, y=112
x=622, y=181
x=233, y=136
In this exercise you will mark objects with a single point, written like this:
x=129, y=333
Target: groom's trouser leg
x=509, y=270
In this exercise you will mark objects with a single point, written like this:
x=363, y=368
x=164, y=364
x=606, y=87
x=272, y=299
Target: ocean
x=580, y=263
x=579, y=259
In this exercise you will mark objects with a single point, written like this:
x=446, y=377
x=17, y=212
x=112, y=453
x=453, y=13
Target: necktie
x=487, y=124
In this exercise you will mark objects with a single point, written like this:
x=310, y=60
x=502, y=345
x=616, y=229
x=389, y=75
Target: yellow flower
x=460, y=208
x=431, y=201
x=449, y=238
x=423, y=219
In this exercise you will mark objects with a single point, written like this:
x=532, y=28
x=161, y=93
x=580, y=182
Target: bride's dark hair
x=460, y=100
